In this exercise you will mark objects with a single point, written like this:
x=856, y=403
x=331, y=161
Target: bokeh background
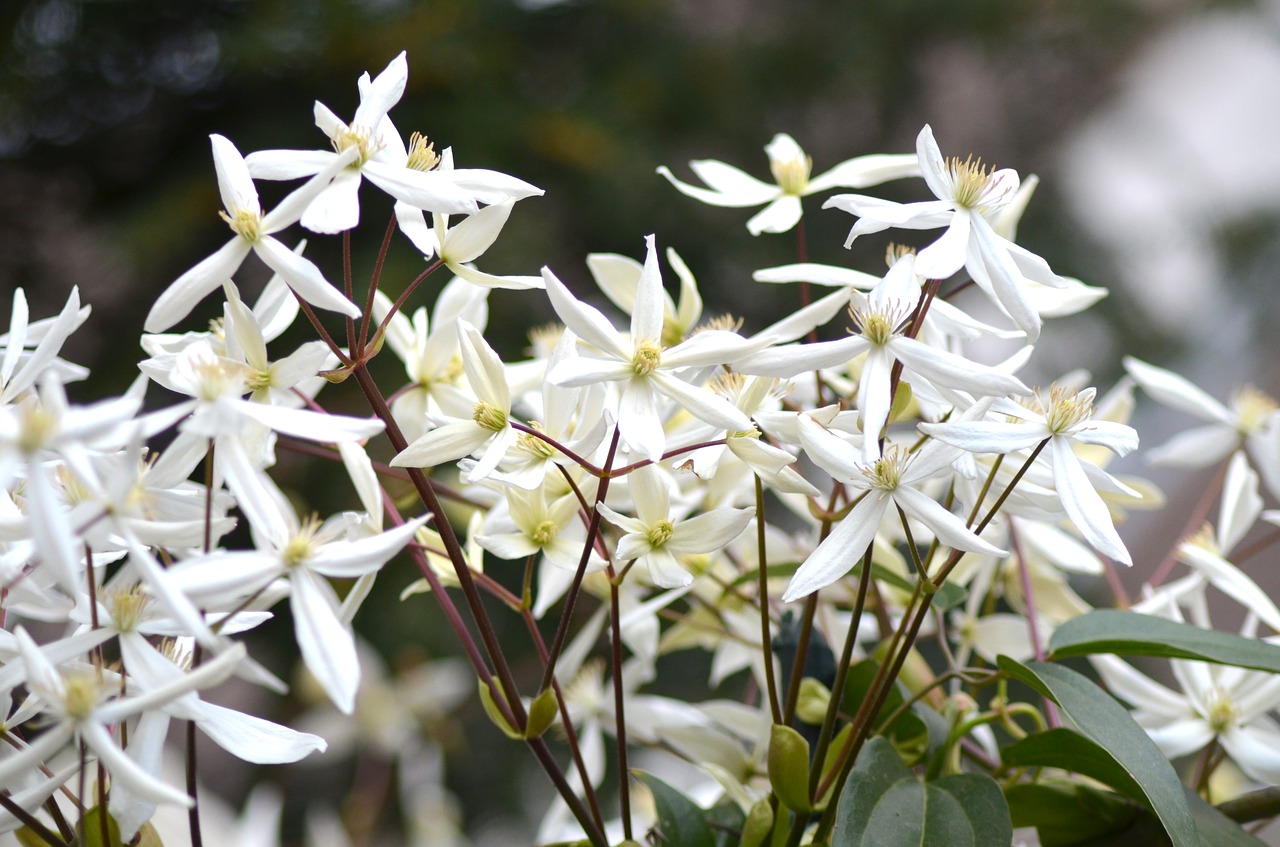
x=1152, y=124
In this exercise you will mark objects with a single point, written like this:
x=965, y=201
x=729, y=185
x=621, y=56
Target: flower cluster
x=760, y=496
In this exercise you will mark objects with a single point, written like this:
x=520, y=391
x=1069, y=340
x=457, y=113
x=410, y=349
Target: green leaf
x=1071, y=751
x=1134, y=634
x=886, y=805
x=1067, y=814
x=681, y=823
x=1105, y=722
x=726, y=821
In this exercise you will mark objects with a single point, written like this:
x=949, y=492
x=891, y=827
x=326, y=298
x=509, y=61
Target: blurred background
x=1152, y=124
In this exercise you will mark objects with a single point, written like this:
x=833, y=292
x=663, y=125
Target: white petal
x=646, y=316
x=182, y=295
x=585, y=321
x=841, y=550
x=469, y=239
x=327, y=645
x=949, y=528
x=779, y=216
x=126, y=771
x=337, y=207
x=443, y=444
x=1169, y=389
x=709, y=531
x=254, y=739
x=728, y=186
x=234, y=183
x=304, y=277
x=1083, y=505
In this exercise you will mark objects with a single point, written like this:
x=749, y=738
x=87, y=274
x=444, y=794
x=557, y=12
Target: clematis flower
x=304, y=553
x=489, y=432
x=971, y=199
x=254, y=232
x=1229, y=705
x=1250, y=419
x=80, y=704
x=728, y=186
x=1061, y=416
x=882, y=323
x=653, y=538
x=893, y=479
x=643, y=365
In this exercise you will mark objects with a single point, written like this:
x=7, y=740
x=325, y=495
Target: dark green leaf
x=1070, y=751
x=1134, y=634
x=885, y=805
x=1070, y=814
x=1104, y=721
x=681, y=823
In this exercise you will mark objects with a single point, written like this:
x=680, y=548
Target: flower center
x=660, y=533
x=970, y=182
x=35, y=427
x=792, y=174
x=1063, y=408
x=257, y=380
x=247, y=224
x=534, y=445
x=543, y=534
x=83, y=692
x=489, y=416
x=646, y=359
x=1253, y=407
x=127, y=606
x=301, y=546
x=422, y=153
x=886, y=472
x=1223, y=714
x=359, y=137
x=879, y=323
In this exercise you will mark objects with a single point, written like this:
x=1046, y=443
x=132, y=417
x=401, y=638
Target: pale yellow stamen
x=35, y=427
x=969, y=181
x=1223, y=714
x=880, y=323
x=127, y=606
x=246, y=224
x=886, y=472
x=646, y=359
x=543, y=534
x=84, y=692
x=422, y=153
x=1063, y=408
x=660, y=533
x=1253, y=408
x=792, y=175
x=359, y=137
x=301, y=546
x=489, y=416
x=534, y=445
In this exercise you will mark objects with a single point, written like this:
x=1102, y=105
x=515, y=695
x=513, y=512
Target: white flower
x=891, y=480
x=254, y=232
x=728, y=186
x=1061, y=416
x=304, y=553
x=489, y=430
x=971, y=199
x=882, y=323
x=654, y=538
x=1252, y=419
x=643, y=365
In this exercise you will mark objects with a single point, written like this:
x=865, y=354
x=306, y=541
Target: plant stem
x=766, y=639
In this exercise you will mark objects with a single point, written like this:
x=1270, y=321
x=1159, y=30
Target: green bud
x=495, y=714
x=811, y=705
x=789, y=767
x=759, y=824
x=542, y=713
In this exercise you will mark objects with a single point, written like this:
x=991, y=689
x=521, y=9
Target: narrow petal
x=443, y=444
x=586, y=321
x=646, y=316
x=1169, y=389
x=866, y=171
x=253, y=739
x=312, y=426
x=469, y=239
x=304, y=277
x=701, y=403
x=327, y=645
x=947, y=370
x=431, y=191
x=709, y=531
x=949, y=528
x=337, y=207
x=779, y=216
x=234, y=183
x=841, y=550
x=385, y=91
x=795, y=359
x=729, y=187
x=182, y=295
x=126, y=771
x=988, y=436
x=1083, y=505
